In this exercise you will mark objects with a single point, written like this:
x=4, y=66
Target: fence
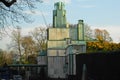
x=99, y=66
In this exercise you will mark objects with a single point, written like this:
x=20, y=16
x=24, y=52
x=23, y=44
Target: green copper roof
x=59, y=15
x=43, y=53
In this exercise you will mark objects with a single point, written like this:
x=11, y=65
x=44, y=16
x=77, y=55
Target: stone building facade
x=63, y=44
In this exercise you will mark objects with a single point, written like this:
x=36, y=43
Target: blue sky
x=93, y=12
x=102, y=14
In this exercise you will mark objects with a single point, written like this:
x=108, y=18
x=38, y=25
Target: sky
x=101, y=14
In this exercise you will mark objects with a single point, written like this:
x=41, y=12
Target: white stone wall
x=56, y=52
x=42, y=60
x=56, y=66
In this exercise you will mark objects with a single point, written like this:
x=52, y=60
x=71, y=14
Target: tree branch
x=6, y=3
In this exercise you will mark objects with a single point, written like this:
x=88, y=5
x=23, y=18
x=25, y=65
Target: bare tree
x=40, y=37
x=106, y=35
x=12, y=12
x=24, y=45
x=16, y=41
x=88, y=32
x=102, y=35
x=28, y=45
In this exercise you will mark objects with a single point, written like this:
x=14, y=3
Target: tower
x=59, y=15
x=80, y=30
x=63, y=43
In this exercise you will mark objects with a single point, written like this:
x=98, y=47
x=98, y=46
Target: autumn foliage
x=103, y=42
x=96, y=46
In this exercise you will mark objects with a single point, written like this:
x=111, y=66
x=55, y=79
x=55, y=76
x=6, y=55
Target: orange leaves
x=103, y=43
x=102, y=46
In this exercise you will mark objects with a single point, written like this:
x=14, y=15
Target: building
x=63, y=44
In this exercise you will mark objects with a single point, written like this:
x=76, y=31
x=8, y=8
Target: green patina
x=61, y=35
x=59, y=15
x=43, y=53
